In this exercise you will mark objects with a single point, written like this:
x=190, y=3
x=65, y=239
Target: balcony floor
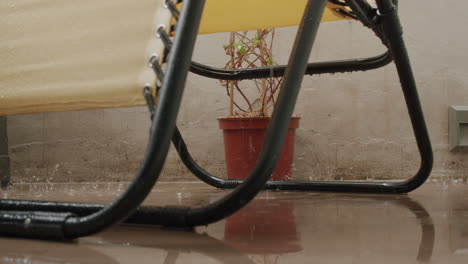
x=429, y=225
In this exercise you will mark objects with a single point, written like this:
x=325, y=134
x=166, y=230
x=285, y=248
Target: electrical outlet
x=458, y=127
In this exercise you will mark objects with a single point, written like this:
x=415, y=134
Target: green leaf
x=270, y=62
x=243, y=50
x=256, y=39
x=240, y=47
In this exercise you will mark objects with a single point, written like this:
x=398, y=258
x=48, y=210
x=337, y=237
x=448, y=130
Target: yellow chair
x=70, y=55
x=228, y=16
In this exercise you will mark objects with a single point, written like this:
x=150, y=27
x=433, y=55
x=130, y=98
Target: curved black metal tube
x=368, y=16
x=361, y=8
x=277, y=129
x=185, y=216
x=67, y=225
x=363, y=11
x=339, y=66
x=337, y=2
x=393, y=32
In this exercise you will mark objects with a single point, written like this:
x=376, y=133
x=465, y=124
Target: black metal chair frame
x=57, y=220
x=385, y=25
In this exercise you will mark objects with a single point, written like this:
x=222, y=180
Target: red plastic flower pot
x=243, y=139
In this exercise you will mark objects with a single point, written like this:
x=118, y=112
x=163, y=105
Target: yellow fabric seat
x=228, y=15
x=60, y=55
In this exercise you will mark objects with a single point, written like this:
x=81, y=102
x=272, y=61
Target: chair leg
x=185, y=216
x=69, y=225
x=393, y=33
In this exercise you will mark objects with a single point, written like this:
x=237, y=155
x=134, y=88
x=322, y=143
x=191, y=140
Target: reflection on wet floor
x=428, y=226
x=262, y=222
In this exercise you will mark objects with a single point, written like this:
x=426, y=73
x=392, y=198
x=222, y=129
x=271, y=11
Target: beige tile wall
x=354, y=126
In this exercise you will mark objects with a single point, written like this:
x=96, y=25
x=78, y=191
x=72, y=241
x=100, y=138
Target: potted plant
x=251, y=103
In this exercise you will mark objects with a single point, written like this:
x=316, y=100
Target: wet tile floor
x=429, y=225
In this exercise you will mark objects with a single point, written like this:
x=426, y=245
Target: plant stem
x=231, y=83
x=264, y=84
